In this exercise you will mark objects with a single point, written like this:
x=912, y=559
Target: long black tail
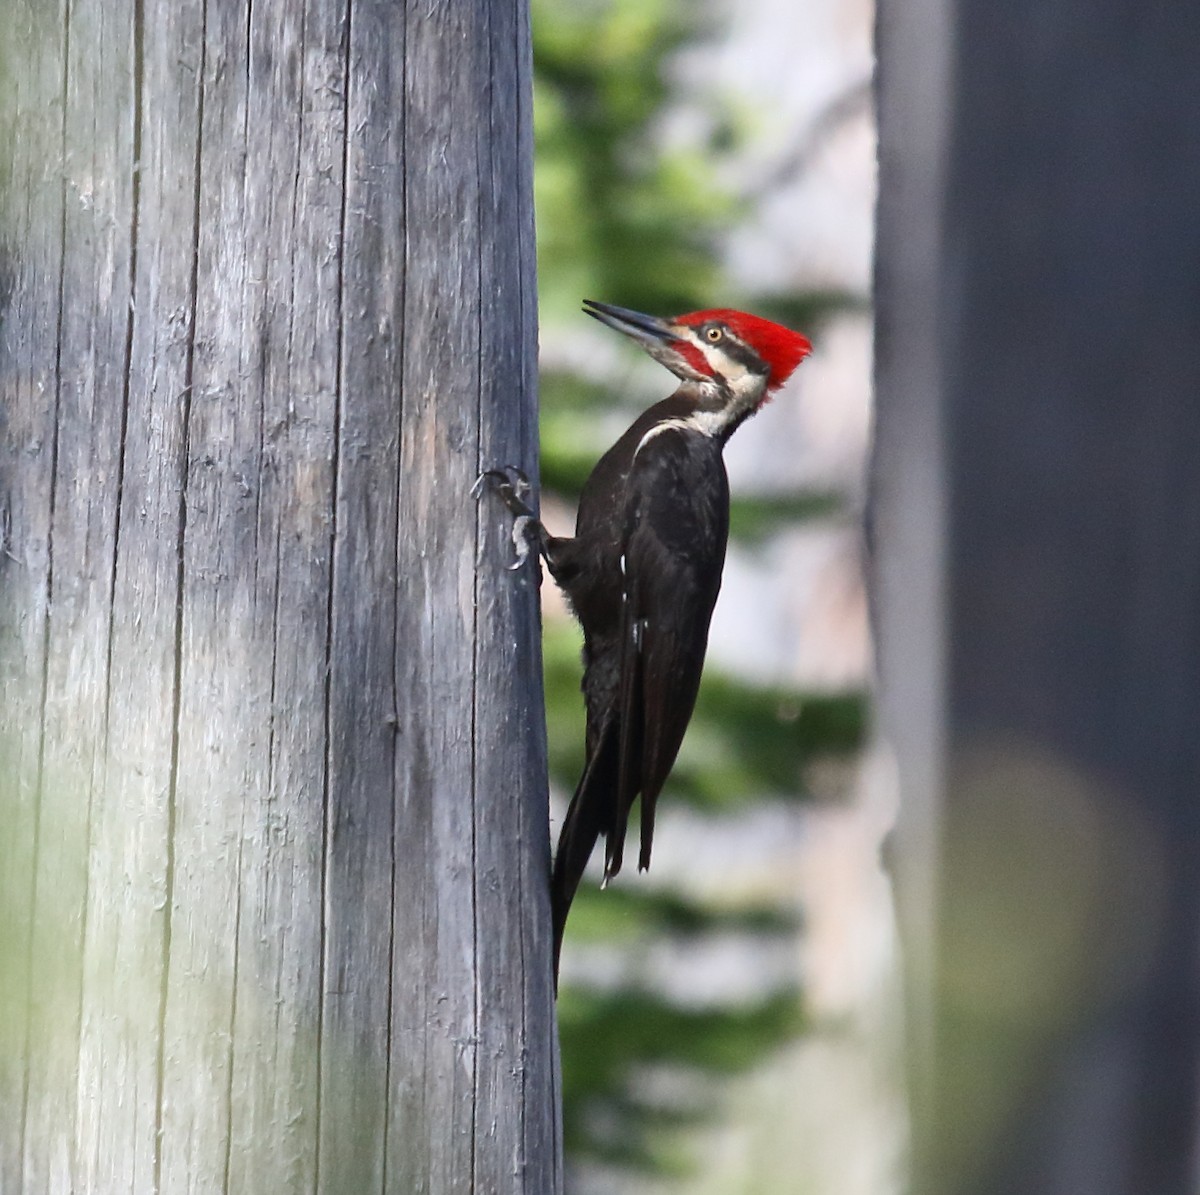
x=591, y=813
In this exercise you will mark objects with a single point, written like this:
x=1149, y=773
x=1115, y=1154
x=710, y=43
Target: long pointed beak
x=645, y=329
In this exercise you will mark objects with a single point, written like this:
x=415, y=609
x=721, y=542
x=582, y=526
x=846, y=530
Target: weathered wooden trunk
x=273, y=908
x=1037, y=502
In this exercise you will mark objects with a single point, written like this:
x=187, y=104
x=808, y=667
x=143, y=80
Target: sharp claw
x=488, y=475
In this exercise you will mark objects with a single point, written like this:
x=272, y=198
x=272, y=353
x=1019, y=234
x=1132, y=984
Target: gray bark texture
x=1037, y=572
x=273, y=875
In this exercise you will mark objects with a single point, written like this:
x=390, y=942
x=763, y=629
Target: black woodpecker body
x=643, y=569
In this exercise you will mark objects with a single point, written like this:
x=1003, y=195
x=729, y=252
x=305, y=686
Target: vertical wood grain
x=31, y=256
x=366, y=594
x=277, y=870
x=512, y=1138
x=435, y=1008
x=129, y=831
x=99, y=228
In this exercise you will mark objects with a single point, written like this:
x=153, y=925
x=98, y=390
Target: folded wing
x=673, y=551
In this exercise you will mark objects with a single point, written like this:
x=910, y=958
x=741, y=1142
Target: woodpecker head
x=734, y=358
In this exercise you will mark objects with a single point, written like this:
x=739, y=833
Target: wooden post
x=273, y=878
x=1037, y=503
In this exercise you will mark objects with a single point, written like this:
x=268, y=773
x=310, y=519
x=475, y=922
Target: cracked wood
x=276, y=874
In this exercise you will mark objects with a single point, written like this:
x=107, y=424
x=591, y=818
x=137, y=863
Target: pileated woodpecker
x=644, y=566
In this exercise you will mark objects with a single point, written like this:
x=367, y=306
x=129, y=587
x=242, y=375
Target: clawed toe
x=520, y=482
x=512, y=486
x=497, y=476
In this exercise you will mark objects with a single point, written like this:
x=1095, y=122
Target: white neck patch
x=706, y=423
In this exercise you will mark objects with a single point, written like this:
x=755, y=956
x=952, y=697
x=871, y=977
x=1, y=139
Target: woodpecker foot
x=511, y=484
x=520, y=538
x=513, y=487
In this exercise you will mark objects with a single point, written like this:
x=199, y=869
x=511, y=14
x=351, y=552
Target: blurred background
x=728, y=1020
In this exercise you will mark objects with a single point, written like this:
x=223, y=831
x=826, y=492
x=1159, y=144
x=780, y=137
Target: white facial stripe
x=745, y=385
x=722, y=364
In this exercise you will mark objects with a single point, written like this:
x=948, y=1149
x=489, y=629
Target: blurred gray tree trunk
x=1037, y=529
x=273, y=908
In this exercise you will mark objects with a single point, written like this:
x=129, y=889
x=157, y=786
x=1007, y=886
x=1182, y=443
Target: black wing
x=676, y=528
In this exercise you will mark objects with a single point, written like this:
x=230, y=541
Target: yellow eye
x=714, y=335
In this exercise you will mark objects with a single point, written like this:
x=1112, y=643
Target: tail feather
x=648, y=802
x=592, y=812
